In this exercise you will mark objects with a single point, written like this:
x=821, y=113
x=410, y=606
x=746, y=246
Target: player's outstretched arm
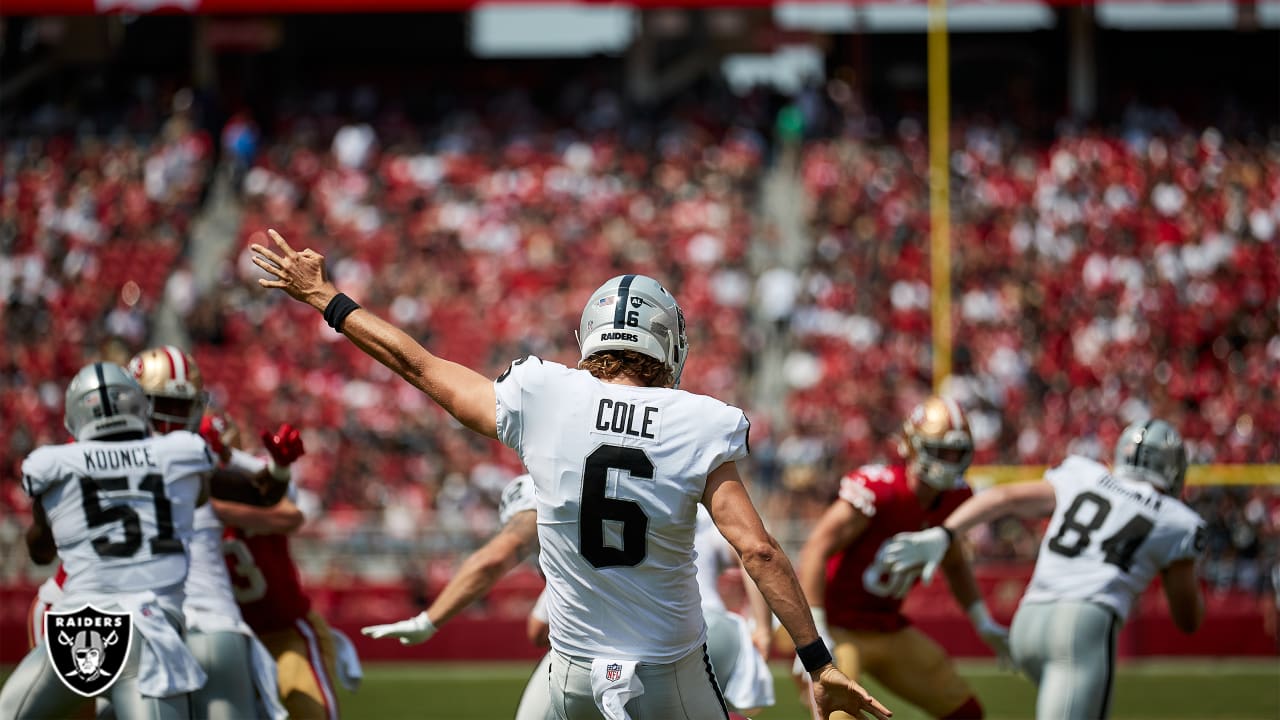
x=465, y=394
x=731, y=509
x=964, y=588
x=1025, y=499
x=40, y=543
x=281, y=518
x=477, y=576
x=906, y=552
x=484, y=567
x=840, y=525
x=1182, y=590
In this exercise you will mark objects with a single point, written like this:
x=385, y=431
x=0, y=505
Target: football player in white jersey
x=1111, y=533
x=740, y=670
x=738, y=646
x=231, y=655
x=477, y=575
x=119, y=506
x=620, y=460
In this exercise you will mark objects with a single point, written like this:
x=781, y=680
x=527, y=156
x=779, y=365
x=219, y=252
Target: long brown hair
x=610, y=364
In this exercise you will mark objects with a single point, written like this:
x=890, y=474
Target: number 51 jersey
x=121, y=512
x=618, y=473
x=1108, y=538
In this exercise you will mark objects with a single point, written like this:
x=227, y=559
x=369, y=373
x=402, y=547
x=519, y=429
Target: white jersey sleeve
x=121, y=512
x=618, y=472
x=1109, y=537
x=714, y=556
x=517, y=497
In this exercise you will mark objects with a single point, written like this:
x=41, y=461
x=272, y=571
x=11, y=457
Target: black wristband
x=336, y=312
x=814, y=655
x=951, y=534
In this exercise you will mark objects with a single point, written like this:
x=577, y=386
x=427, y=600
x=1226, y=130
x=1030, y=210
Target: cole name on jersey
x=618, y=472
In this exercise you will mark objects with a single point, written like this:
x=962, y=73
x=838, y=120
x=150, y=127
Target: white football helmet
x=103, y=399
x=634, y=312
x=173, y=381
x=936, y=442
x=1153, y=452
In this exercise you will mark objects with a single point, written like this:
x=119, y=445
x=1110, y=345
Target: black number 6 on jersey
x=596, y=508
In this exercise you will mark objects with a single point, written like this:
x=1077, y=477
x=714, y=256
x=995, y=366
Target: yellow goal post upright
x=981, y=476
x=939, y=78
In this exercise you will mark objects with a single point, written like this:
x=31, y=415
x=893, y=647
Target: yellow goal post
x=980, y=476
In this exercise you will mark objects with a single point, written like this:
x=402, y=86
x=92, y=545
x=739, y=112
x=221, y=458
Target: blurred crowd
x=1098, y=279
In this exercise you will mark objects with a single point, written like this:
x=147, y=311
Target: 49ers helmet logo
x=88, y=647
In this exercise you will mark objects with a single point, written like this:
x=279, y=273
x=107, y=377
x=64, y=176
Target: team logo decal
x=88, y=647
x=612, y=672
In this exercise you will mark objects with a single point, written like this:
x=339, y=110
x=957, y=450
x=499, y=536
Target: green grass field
x=1152, y=690
x=1164, y=690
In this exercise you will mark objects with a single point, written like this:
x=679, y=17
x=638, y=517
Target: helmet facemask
x=175, y=385
x=937, y=444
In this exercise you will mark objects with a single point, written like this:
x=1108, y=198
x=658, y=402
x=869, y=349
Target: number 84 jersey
x=120, y=512
x=618, y=472
x=1108, y=538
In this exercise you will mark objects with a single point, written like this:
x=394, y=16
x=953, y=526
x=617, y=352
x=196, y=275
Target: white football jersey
x=1109, y=537
x=121, y=512
x=714, y=556
x=618, y=473
x=208, y=585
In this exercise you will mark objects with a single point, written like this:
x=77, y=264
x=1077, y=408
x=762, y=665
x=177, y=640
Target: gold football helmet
x=172, y=380
x=936, y=443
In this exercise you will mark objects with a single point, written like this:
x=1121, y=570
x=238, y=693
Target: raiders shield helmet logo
x=88, y=647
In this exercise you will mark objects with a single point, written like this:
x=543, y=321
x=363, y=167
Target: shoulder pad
x=515, y=363
x=40, y=470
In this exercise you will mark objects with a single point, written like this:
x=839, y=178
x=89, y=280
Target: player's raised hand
x=417, y=629
x=910, y=551
x=833, y=691
x=216, y=431
x=301, y=274
x=285, y=444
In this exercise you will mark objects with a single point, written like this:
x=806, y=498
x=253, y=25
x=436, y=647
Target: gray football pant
x=683, y=690
x=1068, y=649
x=228, y=694
x=535, y=703
x=723, y=644
x=34, y=692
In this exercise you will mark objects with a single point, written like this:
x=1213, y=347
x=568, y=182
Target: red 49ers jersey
x=265, y=579
x=860, y=594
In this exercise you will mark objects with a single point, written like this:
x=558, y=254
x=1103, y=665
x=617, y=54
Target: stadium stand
x=1099, y=276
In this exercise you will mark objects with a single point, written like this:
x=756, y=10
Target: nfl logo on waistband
x=612, y=672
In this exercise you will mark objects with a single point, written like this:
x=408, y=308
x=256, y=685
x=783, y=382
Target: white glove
x=908, y=551
x=995, y=635
x=417, y=629
x=824, y=634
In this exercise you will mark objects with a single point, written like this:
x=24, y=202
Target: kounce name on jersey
x=121, y=512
